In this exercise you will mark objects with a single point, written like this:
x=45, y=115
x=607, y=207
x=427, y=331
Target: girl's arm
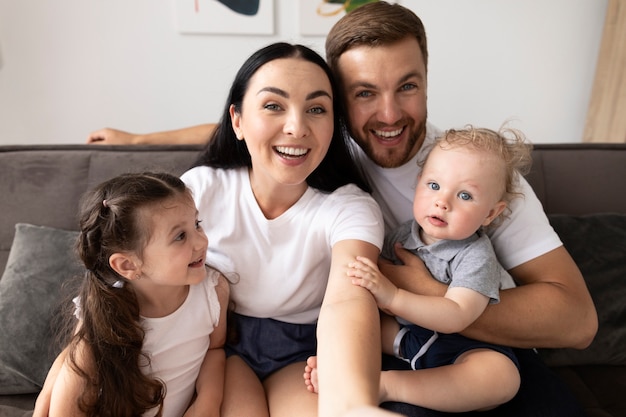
x=69, y=386
x=42, y=405
x=210, y=382
x=348, y=333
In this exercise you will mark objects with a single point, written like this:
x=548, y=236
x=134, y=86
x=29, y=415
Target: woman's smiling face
x=286, y=120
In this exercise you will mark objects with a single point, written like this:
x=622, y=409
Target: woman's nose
x=296, y=125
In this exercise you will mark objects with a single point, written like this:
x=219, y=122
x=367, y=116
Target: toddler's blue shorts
x=424, y=348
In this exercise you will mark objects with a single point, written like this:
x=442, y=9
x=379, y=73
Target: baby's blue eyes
x=465, y=196
x=198, y=225
x=433, y=186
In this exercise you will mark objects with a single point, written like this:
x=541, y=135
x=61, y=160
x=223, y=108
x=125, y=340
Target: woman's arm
x=199, y=134
x=348, y=333
x=210, y=382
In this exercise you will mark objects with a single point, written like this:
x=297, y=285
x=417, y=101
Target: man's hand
x=108, y=136
x=412, y=276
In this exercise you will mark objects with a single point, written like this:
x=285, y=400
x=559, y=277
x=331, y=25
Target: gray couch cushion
x=598, y=245
x=41, y=258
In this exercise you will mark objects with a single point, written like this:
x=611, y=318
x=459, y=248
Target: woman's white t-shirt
x=282, y=264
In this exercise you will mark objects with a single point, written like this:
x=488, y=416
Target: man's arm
x=199, y=134
x=551, y=307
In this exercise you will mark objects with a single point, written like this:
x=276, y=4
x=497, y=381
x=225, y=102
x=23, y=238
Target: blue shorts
x=424, y=348
x=268, y=345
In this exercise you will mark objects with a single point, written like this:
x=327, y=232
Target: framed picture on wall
x=233, y=17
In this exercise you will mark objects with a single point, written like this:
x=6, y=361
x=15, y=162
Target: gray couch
x=582, y=187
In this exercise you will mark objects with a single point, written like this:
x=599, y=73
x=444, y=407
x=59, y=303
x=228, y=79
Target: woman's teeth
x=293, y=152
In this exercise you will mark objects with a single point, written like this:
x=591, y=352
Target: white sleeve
x=356, y=216
x=526, y=233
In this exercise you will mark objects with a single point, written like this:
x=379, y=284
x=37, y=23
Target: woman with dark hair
x=293, y=214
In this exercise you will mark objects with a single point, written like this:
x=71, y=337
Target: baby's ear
x=497, y=209
x=127, y=265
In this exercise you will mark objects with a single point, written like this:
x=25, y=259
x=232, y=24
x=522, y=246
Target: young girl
x=151, y=315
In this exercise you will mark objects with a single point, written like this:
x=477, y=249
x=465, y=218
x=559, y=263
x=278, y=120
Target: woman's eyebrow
x=318, y=93
x=283, y=93
x=274, y=90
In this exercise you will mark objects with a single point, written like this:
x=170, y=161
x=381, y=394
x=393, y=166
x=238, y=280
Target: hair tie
x=104, y=203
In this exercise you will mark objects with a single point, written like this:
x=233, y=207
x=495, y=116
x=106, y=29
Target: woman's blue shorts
x=268, y=345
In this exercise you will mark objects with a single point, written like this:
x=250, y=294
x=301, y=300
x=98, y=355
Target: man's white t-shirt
x=524, y=235
x=283, y=264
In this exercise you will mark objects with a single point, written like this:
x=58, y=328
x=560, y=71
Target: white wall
x=68, y=67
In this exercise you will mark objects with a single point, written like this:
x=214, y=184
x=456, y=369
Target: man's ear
x=127, y=265
x=235, y=120
x=495, y=212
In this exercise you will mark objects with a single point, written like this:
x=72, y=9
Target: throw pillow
x=598, y=245
x=40, y=259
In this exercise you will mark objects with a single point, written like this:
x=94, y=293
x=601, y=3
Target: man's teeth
x=291, y=151
x=388, y=134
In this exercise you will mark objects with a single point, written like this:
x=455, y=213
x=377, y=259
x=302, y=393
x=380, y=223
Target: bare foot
x=310, y=374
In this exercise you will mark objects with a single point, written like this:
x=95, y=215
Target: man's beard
x=396, y=156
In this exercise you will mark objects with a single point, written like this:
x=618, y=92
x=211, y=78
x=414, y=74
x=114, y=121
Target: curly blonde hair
x=508, y=144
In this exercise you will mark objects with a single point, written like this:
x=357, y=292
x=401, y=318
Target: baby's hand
x=366, y=274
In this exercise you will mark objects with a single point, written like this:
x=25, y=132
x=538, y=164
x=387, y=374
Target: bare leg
x=244, y=395
x=370, y=412
x=479, y=380
x=389, y=330
x=287, y=396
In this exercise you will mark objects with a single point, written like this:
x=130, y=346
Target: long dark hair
x=111, y=333
x=224, y=150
